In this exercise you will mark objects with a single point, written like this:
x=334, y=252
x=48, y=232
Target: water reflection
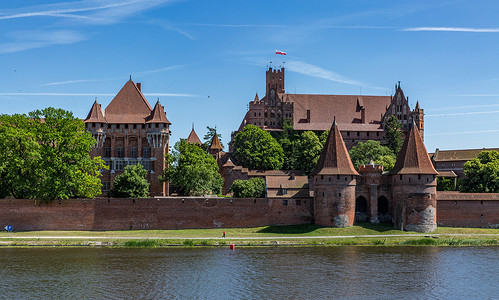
x=266, y=272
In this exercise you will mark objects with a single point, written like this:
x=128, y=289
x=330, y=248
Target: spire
x=413, y=157
x=193, y=137
x=95, y=114
x=215, y=143
x=417, y=105
x=256, y=98
x=158, y=115
x=334, y=159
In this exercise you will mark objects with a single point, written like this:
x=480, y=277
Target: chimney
x=308, y=115
x=139, y=86
x=363, y=115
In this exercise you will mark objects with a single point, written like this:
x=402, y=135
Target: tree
x=252, y=188
x=445, y=184
x=210, y=134
x=45, y=155
x=286, y=139
x=132, y=183
x=363, y=152
x=387, y=161
x=256, y=149
x=482, y=173
x=192, y=170
x=393, y=135
x=306, y=151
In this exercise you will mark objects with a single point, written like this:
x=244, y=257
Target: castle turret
x=215, y=148
x=414, y=186
x=334, y=180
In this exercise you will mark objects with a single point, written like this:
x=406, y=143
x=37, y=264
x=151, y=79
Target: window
x=284, y=191
x=348, y=133
x=121, y=152
x=147, y=165
x=146, y=152
x=107, y=152
x=285, y=202
x=120, y=165
x=105, y=186
x=358, y=133
x=133, y=152
x=368, y=133
x=298, y=202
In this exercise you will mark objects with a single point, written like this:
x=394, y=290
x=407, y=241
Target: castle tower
x=215, y=148
x=414, y=186
x=334, y=179
x=418, y=117
x=193, y=137
x=274, y=81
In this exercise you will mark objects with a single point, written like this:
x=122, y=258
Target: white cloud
x=452, y=29
x=96, y=94
x=25, y=40
x=462, y=132
x=316, y=71
x=464, y=113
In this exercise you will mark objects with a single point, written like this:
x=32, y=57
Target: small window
x=133, y=152
x=298, y=202
x=146, y=152
x=348, y=133
x=358, y=133
x=285, y=202
x=284, y=191
x=367, y=133
x=121, y=152
x=107, y=152
x=339, y=194
x=377, y=133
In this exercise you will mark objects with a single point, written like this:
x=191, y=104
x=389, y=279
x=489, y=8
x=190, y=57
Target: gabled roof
x=459, y=155
x=215, y=143
x=229, y=163
x=334, y=159
x=193, y=138
x=128, y=106
x=95, y=115
x=345, y=107
x=158, y=115
x=413, y=157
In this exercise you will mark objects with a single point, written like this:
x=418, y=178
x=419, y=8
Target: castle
x=359, y=117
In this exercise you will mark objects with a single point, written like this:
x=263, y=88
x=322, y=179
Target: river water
x=251, y=273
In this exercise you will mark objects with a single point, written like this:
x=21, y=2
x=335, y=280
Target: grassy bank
x=362, y=234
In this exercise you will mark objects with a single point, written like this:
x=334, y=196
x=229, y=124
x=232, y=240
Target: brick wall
x=152, y=213
x=467, y=209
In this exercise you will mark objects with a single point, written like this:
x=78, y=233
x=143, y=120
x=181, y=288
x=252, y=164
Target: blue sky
x=205, y=60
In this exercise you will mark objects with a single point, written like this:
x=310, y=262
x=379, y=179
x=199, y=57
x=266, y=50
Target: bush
x=252, y=188
x=131, y=184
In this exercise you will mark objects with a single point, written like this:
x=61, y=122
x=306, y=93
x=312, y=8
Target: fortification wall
x=467, y=209
x=153, y=213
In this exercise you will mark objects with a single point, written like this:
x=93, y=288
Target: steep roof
x=413, y=157
x=95, y=114
x=229, y=163
x=345, y=107
x=128, y=106
x=215, y=143
x=334, y=159
x=459, y=155
x=158, y=115
x=193, y=138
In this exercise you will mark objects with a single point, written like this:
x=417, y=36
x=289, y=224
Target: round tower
x=334, y=181
x=414, y=186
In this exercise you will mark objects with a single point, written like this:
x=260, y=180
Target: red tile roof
x=459, y=155
x=215, y=143
x=128, y=106
x=95, y=115
x=158, y=115
x=334, y=159
x=193, y=138
x=413, y=157
x=347, y=108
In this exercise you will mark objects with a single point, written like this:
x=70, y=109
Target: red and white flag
x=280, y=52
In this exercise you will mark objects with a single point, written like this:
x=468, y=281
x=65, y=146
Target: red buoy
x=232, y=246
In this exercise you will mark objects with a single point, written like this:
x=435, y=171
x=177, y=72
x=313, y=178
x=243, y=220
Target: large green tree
x=45, y=155
x=306, y=151
x=251, y=188
x=132, y=183
x=256, y=149
x=393, y=135
x=482, y=174
x=361, y=153
x=192, y=170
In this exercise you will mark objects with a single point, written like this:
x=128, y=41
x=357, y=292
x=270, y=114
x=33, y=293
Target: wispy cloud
x=461, y=107
x=316, y=71
x=452, y=29
x=96, y=94
x=464, y=113
x=165, y=69
x=462, y=132
x=36, y=39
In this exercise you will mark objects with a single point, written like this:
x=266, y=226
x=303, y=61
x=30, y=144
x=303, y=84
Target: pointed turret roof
x=215, y=143
x=413, y=157
x=229, y=163
x=334, y=159
x=95, y=115
x=128, y=106
x=193, y=137
x=256, y=98
x=417, y=105
x=158, y=115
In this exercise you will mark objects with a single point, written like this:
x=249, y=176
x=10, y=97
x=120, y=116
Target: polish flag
x=280, y=52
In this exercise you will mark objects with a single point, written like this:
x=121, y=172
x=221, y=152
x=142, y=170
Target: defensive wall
x=153, y=213
x=453, y=210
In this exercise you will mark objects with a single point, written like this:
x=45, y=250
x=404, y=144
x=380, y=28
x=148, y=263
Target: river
x=251, y=273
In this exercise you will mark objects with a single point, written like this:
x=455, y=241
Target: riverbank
x=365, y=234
